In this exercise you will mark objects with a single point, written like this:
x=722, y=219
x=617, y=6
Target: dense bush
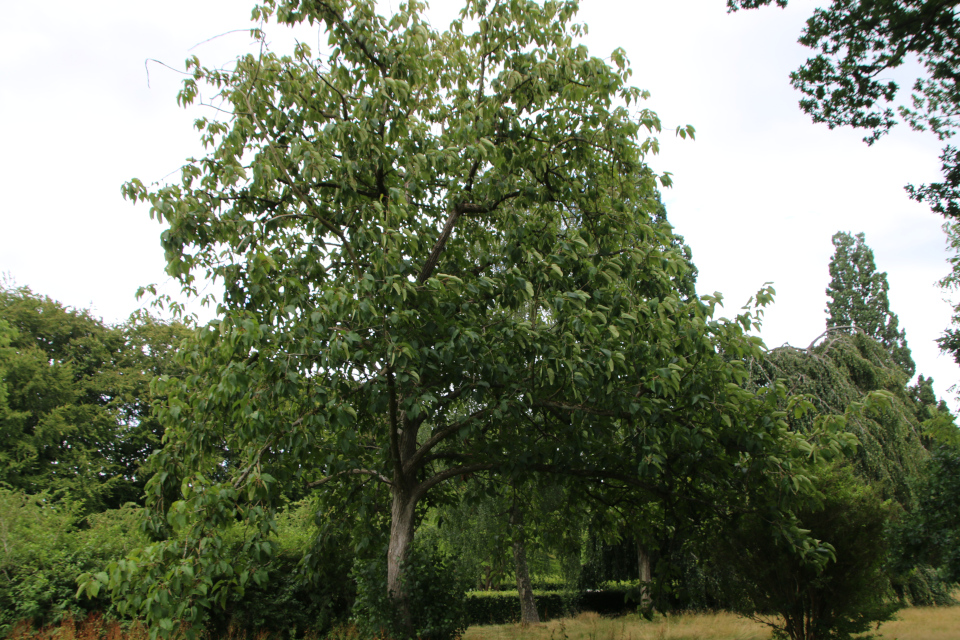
x=294, y=600
x=45, y=545
x=289, y=604
x=503, y=607
x=836, y=597
x=436, y=587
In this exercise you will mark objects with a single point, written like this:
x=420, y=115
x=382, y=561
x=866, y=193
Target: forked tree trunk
x=528, y=607
x=401, y=543
x=643, y=564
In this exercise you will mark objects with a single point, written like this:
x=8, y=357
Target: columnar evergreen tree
x=858, y=298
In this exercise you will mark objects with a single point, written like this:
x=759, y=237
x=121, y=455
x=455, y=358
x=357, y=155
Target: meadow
x=915, y=623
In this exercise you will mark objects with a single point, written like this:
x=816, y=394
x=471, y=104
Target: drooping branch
x=830, y=330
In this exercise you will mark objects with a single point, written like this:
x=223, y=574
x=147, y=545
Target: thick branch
x=350, y=472
x=431, y=262
x=437, y=438
x=459, y=210
x=393, y=422
x=423, y=487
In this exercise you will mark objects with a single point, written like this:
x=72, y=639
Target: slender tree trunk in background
x=528, y=608
x=643, y=563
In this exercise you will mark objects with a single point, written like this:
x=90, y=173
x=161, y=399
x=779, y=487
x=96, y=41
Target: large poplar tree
x=440, y=255
x=859, y=300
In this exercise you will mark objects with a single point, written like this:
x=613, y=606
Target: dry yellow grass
x=590, y=626
x=923, y=623
x=920, y=623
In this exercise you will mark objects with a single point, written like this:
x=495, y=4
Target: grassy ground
x=590, y=626
x=924, y=623
x=921, y=623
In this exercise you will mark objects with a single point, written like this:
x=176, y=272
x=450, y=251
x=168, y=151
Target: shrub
x=436, y=588
x=45, y=546
x=503, y=607
x=830, y=601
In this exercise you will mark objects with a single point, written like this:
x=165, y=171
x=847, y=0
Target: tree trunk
x=528, y=608
x=401, y=542
x=643, y=563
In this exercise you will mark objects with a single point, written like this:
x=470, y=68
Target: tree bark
x=401, y=542
x=528, y=607
x=643, y=564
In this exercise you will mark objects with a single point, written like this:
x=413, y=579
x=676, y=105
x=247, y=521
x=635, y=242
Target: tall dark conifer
x=858, y=298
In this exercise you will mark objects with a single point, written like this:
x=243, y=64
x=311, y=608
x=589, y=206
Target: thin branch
x=356, y=41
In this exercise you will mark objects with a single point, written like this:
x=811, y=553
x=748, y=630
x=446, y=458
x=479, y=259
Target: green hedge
x=609, y=602
x=503, y=607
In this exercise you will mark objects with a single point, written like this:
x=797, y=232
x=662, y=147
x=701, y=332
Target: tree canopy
x=857, y=42
x=75, y=403
x=441, y=253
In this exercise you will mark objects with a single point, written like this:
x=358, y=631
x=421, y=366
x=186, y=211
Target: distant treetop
x=859, y=301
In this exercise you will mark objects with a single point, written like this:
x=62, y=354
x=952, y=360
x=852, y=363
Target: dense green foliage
x=436, y=585
x=931, y=533
x=45, y=545
x=456, y=322
x=846, y=596
x=839, y=373
x=859, y=301
x=440, y=254
x=76, y=418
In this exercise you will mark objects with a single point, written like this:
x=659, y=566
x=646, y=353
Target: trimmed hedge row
x=503, y=607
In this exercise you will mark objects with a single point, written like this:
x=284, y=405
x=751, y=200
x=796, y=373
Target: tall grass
x=923, y=623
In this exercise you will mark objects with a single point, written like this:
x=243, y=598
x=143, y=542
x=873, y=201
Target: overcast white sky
x=758, y=195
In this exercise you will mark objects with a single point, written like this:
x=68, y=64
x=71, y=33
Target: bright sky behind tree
x=757, y=196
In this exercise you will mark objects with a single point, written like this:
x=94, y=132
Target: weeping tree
x=439, y=255
x=838, y=370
